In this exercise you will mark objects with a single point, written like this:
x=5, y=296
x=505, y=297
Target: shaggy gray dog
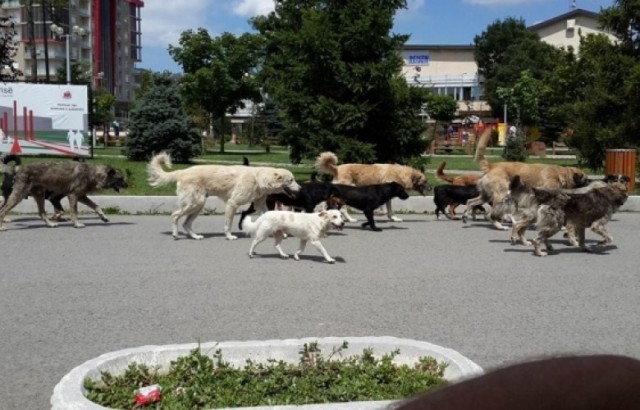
x=590, y=206
x=73, y=179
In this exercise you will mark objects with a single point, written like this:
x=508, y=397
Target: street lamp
x=60, y=32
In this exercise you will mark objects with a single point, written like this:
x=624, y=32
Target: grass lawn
x=137, y=177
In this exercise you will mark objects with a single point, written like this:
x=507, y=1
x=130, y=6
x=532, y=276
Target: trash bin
x=622, y=161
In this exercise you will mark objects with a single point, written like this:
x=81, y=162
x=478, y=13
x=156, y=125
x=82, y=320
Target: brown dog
x=494, y=184
x=371, y=174
x=73, y=179
x=562, y=383
x=460, y=180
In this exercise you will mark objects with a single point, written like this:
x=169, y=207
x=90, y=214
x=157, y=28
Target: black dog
x=447, y=194
x=306, y=199
x=7, y=187
x=369, y=197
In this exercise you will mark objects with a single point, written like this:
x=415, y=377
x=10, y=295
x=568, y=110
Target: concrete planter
x=68, y=394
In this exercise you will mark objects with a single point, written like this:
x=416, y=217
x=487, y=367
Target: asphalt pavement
x=68, y=295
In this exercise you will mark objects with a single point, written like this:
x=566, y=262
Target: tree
x=102, y=113
x=600, y=117
x=8, y=48
x=218, y=71
x=515, y=147
x=333, y=67
x=522, y=99
x=504, y=51
x=623, y=19
x=158, y=122
x=441, y=108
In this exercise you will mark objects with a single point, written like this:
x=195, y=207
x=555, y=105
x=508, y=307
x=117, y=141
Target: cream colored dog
x=234, y=184
x=305, y=226
x=370, y=174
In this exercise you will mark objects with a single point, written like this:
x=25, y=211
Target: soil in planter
x=199, y=381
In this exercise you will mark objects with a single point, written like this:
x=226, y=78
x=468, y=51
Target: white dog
x=234, y=184
x=305, y=226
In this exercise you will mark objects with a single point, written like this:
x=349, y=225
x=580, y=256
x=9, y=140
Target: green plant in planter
x=199, y=381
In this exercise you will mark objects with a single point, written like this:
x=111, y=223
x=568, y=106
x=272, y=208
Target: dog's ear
x=323, y=214
x=111, y=171
x=515, y=182
x=580, y=179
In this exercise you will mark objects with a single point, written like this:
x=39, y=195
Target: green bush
x=515, y=148
x=200, y=381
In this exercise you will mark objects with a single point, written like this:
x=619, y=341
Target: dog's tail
x=157, y=176
x=327, y=163
x=248, y=225
x=483, y=141
x=245, y=161
x=440, y=173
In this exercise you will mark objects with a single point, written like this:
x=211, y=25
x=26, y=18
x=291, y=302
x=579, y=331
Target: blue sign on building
x=420, y=59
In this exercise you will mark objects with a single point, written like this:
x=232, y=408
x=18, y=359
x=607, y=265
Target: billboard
x=49, y=119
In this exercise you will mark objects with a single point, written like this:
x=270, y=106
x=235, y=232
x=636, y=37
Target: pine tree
x=158, y=122
x=515, y=148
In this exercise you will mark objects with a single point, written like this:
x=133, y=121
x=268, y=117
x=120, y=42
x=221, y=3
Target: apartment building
x=104, y=36
x=452, y=70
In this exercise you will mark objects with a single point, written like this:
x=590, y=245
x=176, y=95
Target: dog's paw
x=251, y=255
x=331, y=260
x=285, y=256
x=526, y=242
x=464, y=218
x=53, y=225
x=104, y=219
x=376, y=229
x=198, y=237
x=78, y=225
x=229, y=237
x=395, y=219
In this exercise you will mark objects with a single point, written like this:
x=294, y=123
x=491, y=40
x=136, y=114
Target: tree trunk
x=31, y=40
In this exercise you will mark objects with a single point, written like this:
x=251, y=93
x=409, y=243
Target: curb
x=69, y=392
x=152, y=205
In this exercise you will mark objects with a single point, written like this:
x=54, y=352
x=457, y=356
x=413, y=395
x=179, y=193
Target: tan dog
x=494, y=184
x=370, y=174
x=460, y=180
x=234, y=184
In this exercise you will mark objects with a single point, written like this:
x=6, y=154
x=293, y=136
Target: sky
x=450, y=22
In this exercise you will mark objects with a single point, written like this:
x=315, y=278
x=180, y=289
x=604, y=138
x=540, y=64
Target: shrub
x=200, y=381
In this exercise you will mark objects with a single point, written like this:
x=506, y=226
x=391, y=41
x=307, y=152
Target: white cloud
x=164, y=20
x=414, y=5
x=250, y=8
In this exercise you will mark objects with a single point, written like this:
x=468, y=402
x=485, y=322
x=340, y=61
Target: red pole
x=15, y=119
x=25, y=130
x=32, y=131
x=5, y=122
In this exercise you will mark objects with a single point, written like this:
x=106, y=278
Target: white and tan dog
x=234, y=184
x=304, y=226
